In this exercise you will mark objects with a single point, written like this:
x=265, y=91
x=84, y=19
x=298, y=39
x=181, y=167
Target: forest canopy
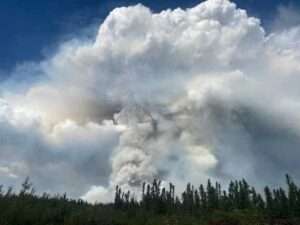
x=239, y=204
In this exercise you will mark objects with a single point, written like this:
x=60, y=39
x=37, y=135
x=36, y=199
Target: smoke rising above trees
x=180, y=95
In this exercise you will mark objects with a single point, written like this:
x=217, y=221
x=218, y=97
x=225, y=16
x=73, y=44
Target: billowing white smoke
x=180, y=95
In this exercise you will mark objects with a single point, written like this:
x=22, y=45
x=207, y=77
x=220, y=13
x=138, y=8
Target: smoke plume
x=180, y=95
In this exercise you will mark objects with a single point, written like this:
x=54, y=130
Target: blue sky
x=32, y=28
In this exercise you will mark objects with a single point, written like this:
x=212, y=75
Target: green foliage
x=239, y=204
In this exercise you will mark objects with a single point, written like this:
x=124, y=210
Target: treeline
x=209, y=204
x=274, y=205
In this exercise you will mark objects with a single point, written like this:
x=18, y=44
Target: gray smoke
x=180, y=95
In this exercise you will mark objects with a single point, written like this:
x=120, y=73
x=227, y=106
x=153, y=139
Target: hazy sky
x=95, y=95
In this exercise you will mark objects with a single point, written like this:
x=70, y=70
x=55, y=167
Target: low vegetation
x=240, y=204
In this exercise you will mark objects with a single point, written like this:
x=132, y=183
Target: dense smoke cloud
x=180, y=95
